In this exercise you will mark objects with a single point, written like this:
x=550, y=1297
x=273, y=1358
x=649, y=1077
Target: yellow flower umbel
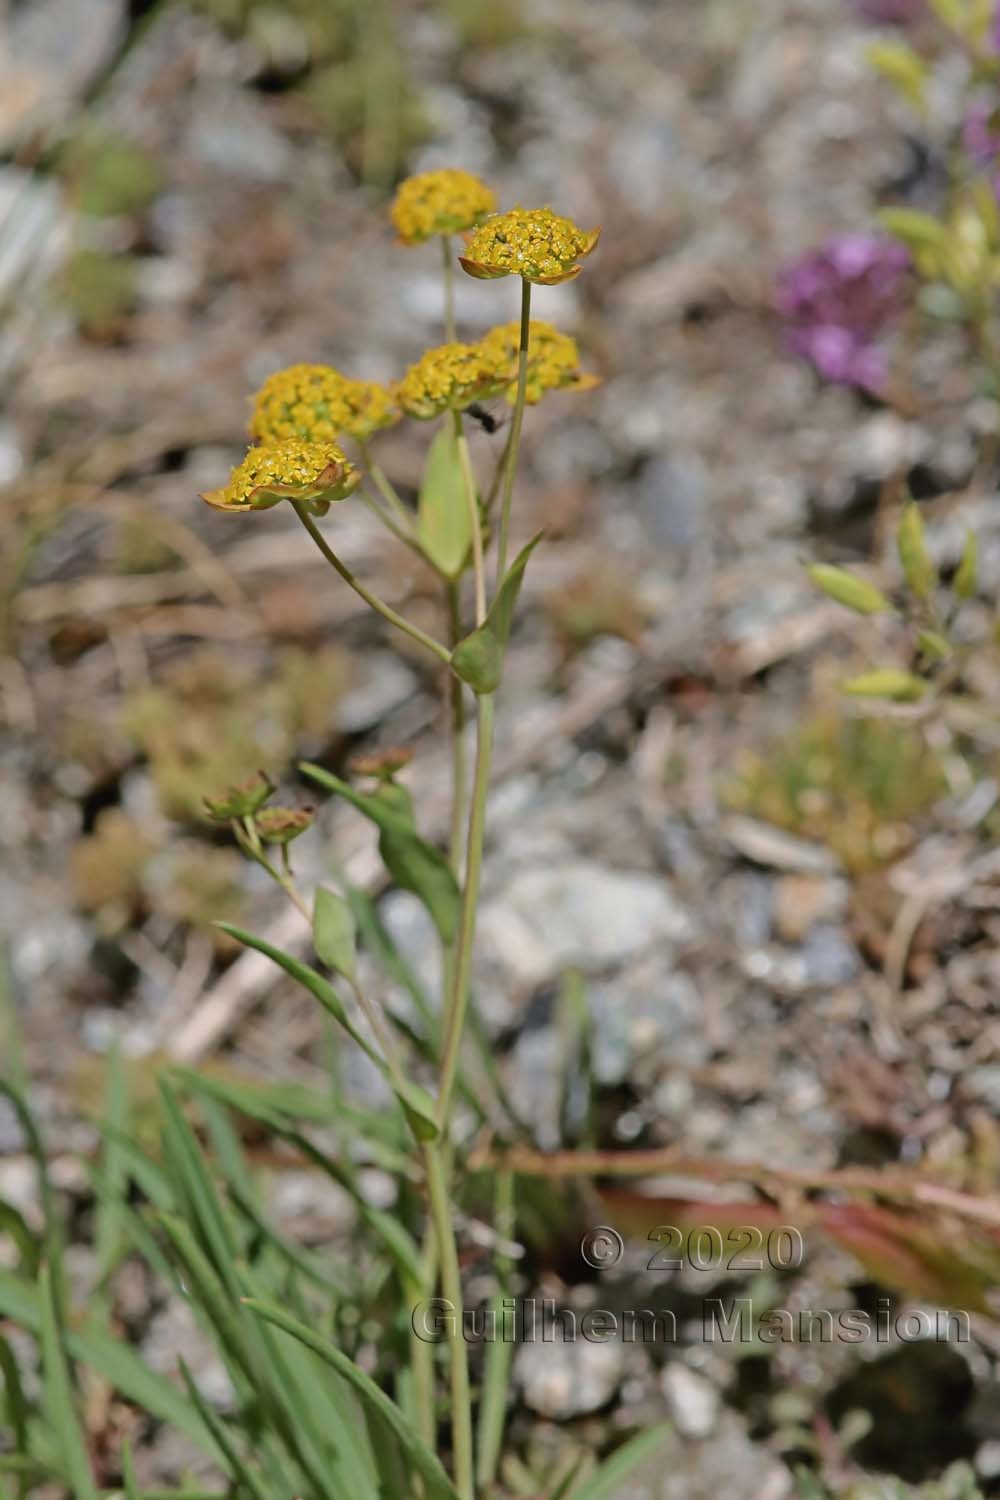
x=318, y=404
x=444, y=202
x=317, y=473
x=553, y=360
x=533, y=243
x=451, y=378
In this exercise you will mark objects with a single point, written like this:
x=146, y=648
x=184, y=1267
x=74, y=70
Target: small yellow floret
x=553, y=360
x=444, y=202
x=317, y=403
x=293, y=470
x=451, y=378
x=531, y=242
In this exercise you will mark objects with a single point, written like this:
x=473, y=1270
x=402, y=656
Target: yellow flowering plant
x=313, y=474
x=317, y=403
x=300, y=415
x=553, y=360
x=438, y=205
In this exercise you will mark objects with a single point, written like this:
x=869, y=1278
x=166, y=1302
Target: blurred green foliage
x=211, y=723
x=854, y=784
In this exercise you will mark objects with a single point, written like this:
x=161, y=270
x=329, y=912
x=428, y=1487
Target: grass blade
x=613, y=1473
x=422, y=1460
x=58, y=1396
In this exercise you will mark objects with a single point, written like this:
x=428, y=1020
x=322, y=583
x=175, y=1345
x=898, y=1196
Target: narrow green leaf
x=58, y=1393
x=321, y=989
x=848, y=589
x=53, y=1232
x=423, y=1461
x=114, y=1360
x=967, y=575
x=904, y=68
x=918, y=231
x=239, y=1468
x=936, y=646
x=112, y=1175
x=500, y=1350
x=444, y=526
x=478, y=659
x=14, y=1405
x=398, y=1242
x=334, y=933
x=419, y=1109
x=129, y=1482
x=900, y=687
x=413, y=864
x=612, y=1474
x=918, y=569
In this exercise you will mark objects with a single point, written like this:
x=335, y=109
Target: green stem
x=372, y=600
x=472, y=502
x=514, y=441
x=386, y=488
x=499, y=1352
x=451, y=1286
x=384, y=519
x=421, y=1350
x=458, y=768
x=458, y=999
x=448, y=269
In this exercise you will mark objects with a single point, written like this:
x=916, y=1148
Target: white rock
x=568, y=1379
x=579, y=913
x=693, y=1401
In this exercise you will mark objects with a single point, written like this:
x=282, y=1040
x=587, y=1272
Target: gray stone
x=568, y=1379
x=385, y=684
x=240, y=145
x=693, y=1401
x=579, y=913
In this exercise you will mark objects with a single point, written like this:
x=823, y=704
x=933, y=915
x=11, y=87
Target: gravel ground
x=748, y=997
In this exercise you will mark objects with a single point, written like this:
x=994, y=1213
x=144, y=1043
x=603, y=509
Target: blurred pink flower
x=836, y=302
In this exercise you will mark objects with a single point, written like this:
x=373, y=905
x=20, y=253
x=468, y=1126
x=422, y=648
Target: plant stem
x=499, y=1352
x=458, y=771
x=472, y=501
x=386, y=488
x=514, y=441
x=372, y=600
x=384, y=519
x=421, y=1350
x=458, y=999
x=435, y=1155
x=449, y=289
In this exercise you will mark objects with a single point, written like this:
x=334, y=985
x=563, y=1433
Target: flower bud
x=279, y=825
x=241, y=801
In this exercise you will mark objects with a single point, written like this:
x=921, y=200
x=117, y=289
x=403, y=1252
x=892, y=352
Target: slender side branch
x=451, y=1286
x=458, y=768
x=458, y=999
x=372, y=600
x=514, y=441
x=386, y=488
x=472, y=501
x=448, y=269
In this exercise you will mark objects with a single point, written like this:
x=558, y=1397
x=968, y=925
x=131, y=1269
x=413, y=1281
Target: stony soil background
x=753, y=991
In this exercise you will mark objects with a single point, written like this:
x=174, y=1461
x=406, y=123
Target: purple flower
x=889, y=12
x=981, y=133
x=837, y=300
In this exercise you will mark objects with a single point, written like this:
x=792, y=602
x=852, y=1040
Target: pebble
x=693, y=1401
x=564, y=1379
x=386, y=684
x=240, y=145
x=579, y=913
